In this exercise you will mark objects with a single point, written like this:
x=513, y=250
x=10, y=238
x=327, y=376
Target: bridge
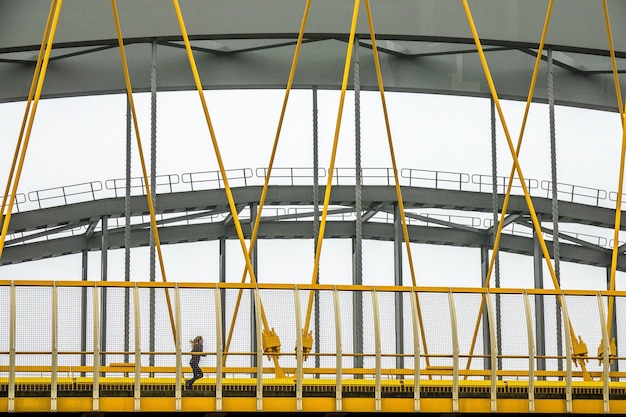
x=501, y=336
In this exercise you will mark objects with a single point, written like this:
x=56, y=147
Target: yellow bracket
x=580, y=354
x=307, y=343
x=271, y=343
x=612, y=352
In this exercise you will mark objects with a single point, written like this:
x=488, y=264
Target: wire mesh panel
x=346, y=311
x=323, y=332
x=117, y=325
x=436, y=342
x=395, y=313
x=239, y=319
x=280, y=314
x=33, y=337
x=586, y=326
x=471, y=322
x=72, y=330
x=511, y=326
x=554, y=339
x=5, y=326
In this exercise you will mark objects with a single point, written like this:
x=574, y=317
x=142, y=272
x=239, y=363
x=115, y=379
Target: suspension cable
x=129, y=91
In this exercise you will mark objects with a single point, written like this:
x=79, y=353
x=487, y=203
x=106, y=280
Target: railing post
x=493, y=351
x=416, y=351
x=377, y=383
x=96, y=348
x=55, y=350
x=568, y=355
x=218, y=348
x=455, y=354
x=12, y=328
x=605, y=354
x=259, y=349
x=531, y=354
x=137, y=312
x=338, y=354
x=179, y=349
x=299, y=351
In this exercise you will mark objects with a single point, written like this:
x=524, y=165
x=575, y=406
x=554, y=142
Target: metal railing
x=79, y=328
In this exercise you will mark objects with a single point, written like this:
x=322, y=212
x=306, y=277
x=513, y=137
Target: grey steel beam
x=426, y=46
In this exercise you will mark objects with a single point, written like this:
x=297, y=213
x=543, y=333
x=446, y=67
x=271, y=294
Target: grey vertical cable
x=316, y=221
x=153, y=155
x=357, y=279
x=127, y=209
x=555, y=204
x=495, y=206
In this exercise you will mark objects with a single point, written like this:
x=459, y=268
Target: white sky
x=83, y=139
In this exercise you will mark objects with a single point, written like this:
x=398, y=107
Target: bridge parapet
x=93, y=340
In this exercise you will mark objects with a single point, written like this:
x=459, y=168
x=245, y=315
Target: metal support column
x=484, y=266
x=540, y=327
x=153, y=186
x=555, y=204
x=83, y=312
x=316, y=221
x=127, y=244
x=104, y=252
x=495, y=208
x=397, y=280
x=357, y=269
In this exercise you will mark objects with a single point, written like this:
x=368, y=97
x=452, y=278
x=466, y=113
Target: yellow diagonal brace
x=155, y=230
x=31, y=92
x=257, y=221
x=510, y=182
x=405, y=230
x=512, y=149
x=329, y=183
x=229, y=195
x=218, y=155
x=618, y=92
x=40, y=79
x=620, y=186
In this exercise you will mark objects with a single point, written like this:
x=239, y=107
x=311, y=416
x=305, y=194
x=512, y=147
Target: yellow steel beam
x=270, y=166
x=331, y=167
x=29, y=113
x=517, y=150
x=620, y=187
x=268, y=333
x=405, y=230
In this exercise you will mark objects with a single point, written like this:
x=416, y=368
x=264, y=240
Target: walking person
x=196, y=346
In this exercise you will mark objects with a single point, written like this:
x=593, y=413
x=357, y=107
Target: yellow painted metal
x=227, y=189
x=620, y=186
x=581, y=353
x=129, y=93
x=257, y=221
x=29, y=100
x=40, y=77
x=518, y=148
x=331, y=167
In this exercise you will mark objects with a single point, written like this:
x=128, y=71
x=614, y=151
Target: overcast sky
x=83, y=139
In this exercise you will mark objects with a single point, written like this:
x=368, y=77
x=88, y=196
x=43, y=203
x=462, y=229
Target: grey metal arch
x=425, y=46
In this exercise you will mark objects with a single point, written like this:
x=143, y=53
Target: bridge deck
x=118, y=394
